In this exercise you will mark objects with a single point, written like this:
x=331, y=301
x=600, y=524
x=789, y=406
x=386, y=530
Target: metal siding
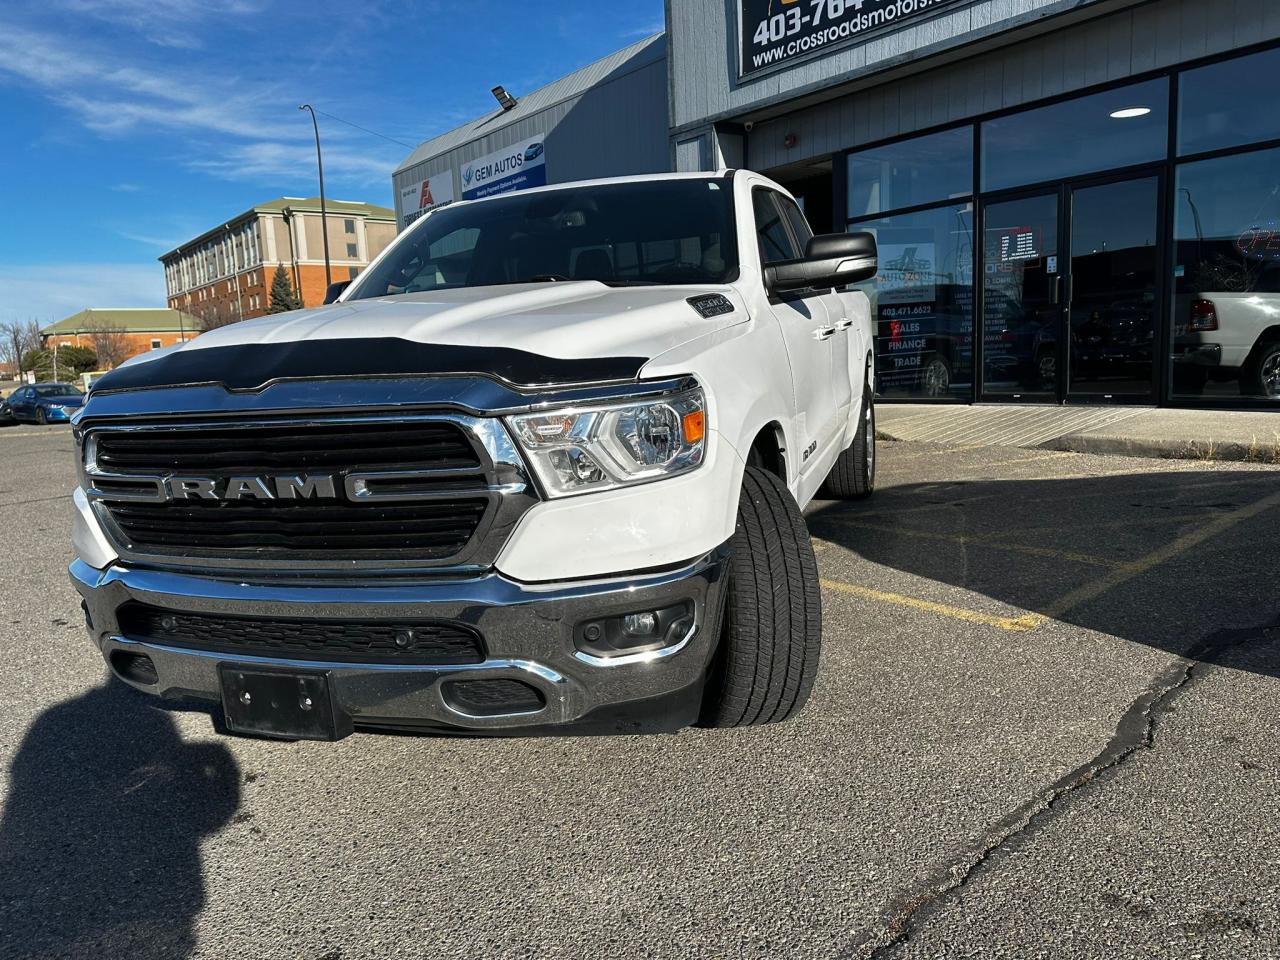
x=691, y=154
x=1101, y=50
x=616, y=128
x=703, y=49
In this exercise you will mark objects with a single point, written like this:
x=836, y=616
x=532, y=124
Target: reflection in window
x=1104, y=131
x=934, y=167
x=922, y=302
x=771, y=230
x=1226, y=304
x=1021, y=296
x=1217, y=107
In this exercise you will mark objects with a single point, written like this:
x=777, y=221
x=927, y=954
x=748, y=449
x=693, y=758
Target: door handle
x=844, y=323
x=824, y=333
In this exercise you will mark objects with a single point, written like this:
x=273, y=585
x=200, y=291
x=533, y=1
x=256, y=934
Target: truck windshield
x=646, y=232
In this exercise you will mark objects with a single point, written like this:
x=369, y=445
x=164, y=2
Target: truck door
x=808, y=332
x=844, y=344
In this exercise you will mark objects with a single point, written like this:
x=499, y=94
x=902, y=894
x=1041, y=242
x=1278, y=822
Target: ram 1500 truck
x=540, y=468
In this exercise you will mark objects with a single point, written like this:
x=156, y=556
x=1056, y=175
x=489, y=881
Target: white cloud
x=111, y=99
x=647, y=30
x=167, y=23
x=49, y=292
x=296, y=163
x=226, y=128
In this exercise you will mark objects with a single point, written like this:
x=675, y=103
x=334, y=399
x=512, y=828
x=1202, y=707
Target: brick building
x=224, y=275
x=140, y=328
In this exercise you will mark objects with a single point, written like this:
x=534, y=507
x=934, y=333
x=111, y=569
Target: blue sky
x=131, y=126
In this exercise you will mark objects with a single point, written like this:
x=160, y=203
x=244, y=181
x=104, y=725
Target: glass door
x=1080, y=326
x=1112, y=290
x=1022, y=290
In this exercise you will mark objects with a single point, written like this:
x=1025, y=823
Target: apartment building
x=224, y=275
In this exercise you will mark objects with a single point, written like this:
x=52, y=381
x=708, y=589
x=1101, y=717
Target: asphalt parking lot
x=1047, y=725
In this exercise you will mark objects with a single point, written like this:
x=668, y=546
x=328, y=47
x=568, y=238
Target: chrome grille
x=335, y=494
x=285, y=447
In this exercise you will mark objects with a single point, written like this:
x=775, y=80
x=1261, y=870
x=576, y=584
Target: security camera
x=749, y=126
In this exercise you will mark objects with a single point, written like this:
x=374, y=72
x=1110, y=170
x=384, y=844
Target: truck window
x=771, y=231
x=674, y=231
x=800, y=228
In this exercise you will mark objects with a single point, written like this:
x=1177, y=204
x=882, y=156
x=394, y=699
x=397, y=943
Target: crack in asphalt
x=1135, y=731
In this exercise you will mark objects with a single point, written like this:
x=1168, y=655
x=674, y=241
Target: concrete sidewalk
x=1252, y=436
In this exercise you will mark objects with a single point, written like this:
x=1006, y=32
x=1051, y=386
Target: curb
x=1206, y=450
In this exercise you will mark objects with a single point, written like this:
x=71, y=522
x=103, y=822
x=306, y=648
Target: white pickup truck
x=540, y=468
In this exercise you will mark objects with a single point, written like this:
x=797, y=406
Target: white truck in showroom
x=540, y=468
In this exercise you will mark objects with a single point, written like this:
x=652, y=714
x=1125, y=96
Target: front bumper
x=527, y=633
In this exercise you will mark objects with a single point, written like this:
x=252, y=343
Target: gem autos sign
x=417, y=198
x=775, y=32
x=516, y=167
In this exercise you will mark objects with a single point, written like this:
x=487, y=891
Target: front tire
x=771, y=627
x=853, y=475
x=42, y=418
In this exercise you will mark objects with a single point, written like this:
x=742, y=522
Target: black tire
x=42, y=418
x=1261, y=374
x=771, y=626
x=853, y=475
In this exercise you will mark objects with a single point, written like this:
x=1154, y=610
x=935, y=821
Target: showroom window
x=1103, y=131
x=922, y=303
x=1226, y=278
x=922, y=297
x=1213, y=114
x=911, y=173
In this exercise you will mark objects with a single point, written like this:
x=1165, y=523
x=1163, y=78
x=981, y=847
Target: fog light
x=640, y=624
x=635, y=632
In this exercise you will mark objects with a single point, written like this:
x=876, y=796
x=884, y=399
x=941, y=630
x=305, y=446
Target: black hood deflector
x=254, y=366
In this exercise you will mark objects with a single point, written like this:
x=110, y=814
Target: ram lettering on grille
x=253, y=488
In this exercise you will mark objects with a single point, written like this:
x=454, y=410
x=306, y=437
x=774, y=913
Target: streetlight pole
x=324, y=215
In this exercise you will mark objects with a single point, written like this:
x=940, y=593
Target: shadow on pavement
x=100, y=836
x=1158, y=558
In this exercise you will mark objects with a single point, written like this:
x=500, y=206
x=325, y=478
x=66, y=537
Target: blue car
x=45, y=402
x=533, y=151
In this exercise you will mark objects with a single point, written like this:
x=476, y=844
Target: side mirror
x=831, y=260
x=335, y=290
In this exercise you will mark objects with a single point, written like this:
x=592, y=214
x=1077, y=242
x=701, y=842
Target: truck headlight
x=582, y=449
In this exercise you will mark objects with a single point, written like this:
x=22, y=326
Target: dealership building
x=1074, y=201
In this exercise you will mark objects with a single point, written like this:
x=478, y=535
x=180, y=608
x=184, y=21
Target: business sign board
x=417, y=198
x=516, y=167
x=775, y=32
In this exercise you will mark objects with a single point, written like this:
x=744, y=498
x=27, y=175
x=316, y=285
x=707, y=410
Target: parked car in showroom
x=45, y=402
x=1228, y=336
x=540, y=467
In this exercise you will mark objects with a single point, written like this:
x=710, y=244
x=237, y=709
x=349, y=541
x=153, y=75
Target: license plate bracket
x=286, y=704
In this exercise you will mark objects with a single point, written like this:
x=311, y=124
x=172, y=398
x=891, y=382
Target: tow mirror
x=830, y=260
x=335, y=290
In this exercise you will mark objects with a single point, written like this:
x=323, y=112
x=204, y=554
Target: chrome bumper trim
x=527, y=631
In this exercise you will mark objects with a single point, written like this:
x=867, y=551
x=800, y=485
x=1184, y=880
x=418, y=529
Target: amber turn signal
x=695, y=426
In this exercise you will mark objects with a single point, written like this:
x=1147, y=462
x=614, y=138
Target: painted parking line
x=966, y=540
x=1069, y=601
x=1020, y=624
x=53, y=428
x=1161, y=555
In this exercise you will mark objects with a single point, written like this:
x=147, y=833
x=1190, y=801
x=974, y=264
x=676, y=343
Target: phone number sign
x=775, y=32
